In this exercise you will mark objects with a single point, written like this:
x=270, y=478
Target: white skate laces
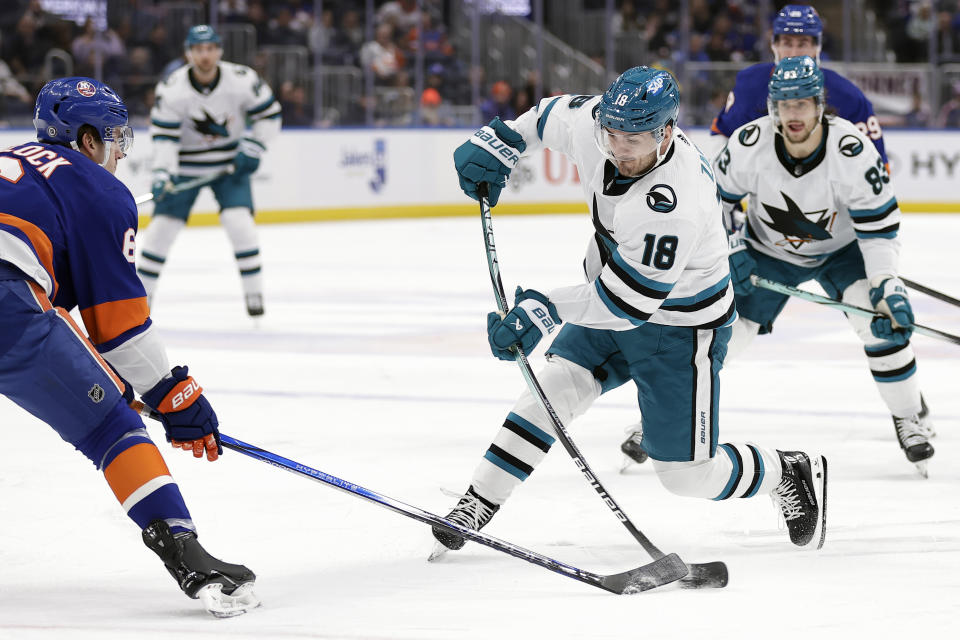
x=470, y=512
x=785, y=498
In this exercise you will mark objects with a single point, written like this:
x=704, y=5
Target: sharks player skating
x=656, y=308
x=199, y=127
x=67, y=231
x=820, y=207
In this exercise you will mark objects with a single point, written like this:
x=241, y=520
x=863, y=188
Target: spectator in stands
x=949, y=116
x=404, y=15
x=352, y=28
x=382, y=57
x=434, y=112
x=293, y=101
x=282, y=32
x=919, y=116
x=91, y=49
x=625, y=20
x=162, y=50
x=257, y=16
x=26, y=48
x=14, y=97
x=498, y=104
x=232, y=11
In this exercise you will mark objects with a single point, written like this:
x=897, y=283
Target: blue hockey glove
x=488, y=156
x=247, y=159
x=188, y=418
x=532, y=316
x=161, y=185
x=889, y=297
x=742, y=265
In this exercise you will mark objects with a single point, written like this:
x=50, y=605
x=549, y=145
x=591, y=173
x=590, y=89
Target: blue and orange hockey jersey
x=70, y=225
x=748, y=101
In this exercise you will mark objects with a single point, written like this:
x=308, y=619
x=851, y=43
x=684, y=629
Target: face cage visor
x=774, y=110
x=626, y=146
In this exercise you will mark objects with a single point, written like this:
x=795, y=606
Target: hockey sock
x=894, y=370
x=239, y=225
x=518, y=448
x=139, y=478
x=736, y=471
x=157, y=240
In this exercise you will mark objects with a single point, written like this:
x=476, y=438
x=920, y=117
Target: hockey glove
x=247, y=159
x=161, y=185
x=187, y=416
x=488, y=156
x=889, y=297
x=742, y=265
x=532, y=316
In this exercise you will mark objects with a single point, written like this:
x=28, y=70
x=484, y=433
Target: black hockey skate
x=802, y=497
x=633, y=453
x=473, y=512
x=254, y=304
x=224, y=589
x=926, y=424
x=913, y=441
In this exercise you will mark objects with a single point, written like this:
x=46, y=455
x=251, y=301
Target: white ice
x=372, y=365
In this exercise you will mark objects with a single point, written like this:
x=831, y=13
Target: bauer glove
x=532, y=316
x=188, y=418
x=888, y=296
x=488, y=157
x=742, y=265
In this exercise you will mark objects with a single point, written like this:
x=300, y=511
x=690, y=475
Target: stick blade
x=667, y=569
x=710, y=575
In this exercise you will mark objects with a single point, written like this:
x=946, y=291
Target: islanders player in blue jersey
x=67, y=229
x=797, y=31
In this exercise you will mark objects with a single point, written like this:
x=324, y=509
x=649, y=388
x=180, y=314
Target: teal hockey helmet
x=641, y=100
x=202, y=33
x=794, y=79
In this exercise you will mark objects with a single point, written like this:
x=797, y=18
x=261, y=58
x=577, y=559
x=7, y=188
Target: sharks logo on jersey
x=662, y=198
x=797, y=226
x=210, y=127
x=850, y=146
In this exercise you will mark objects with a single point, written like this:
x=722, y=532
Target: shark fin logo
x=749, y=136
x=850, y=145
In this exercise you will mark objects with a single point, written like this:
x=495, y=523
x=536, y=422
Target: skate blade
x=922, y=469
x=221, y=605
x=626, y=464
x=438, y=552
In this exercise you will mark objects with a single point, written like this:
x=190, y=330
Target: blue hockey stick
x=649, y=576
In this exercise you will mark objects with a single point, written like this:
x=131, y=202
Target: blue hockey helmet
x=798, y=19
x=641, y=100
x=64, y=105
x=794, y=79
x=201, y=33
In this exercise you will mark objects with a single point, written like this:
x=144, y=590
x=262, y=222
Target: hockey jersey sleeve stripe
x=886, y=232
x=109, y=345
x=263, y=106
x=256, y=142
x=618, y=307
x=162, y=136
x=699, y=301
x=36, y=239
x=633, y=279
x=211, y=164
x=107, y=320
x=872, y=215
x=164, y=124
x=224, y=147
x=272, y=116
x=542, y=120
x=729, y=197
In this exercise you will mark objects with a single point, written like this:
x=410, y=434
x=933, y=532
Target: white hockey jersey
x=198, y=129
x=659, y=252
x=802, y=212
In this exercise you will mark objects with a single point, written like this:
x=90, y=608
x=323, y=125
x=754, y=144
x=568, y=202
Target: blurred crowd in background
x=462, y=62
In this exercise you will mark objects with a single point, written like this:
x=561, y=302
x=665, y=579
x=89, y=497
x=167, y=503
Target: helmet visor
x=625, y=146
x=120, y=135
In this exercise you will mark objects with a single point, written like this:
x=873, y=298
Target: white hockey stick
x=186, y=186
x=787, y=290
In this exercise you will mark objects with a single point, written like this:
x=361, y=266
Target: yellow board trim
x=205, y=219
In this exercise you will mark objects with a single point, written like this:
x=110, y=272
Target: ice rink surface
x=372, y=365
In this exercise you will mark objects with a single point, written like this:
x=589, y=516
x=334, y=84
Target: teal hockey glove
x=488, y=156
x=742, y=265
x=161, y=185
x=889, y=297
x=532, y=316
x=247, y=159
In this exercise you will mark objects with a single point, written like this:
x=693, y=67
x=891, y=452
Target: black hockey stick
x=662, y=571
x=933, y=293
x=649, y=576
x=711, y=574
x=186, y=186
x=787, y=290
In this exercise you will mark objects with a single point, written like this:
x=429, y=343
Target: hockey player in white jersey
x=656, y=308
x=821, y=207
x=199, y=127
